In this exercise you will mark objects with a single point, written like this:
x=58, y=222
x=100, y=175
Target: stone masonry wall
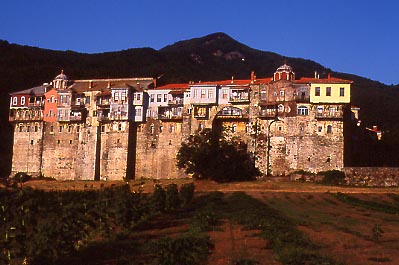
x=27, y=148
x=372, y=176
x=157, y=145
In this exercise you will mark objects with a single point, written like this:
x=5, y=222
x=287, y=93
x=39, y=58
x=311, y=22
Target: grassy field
x=261, y=222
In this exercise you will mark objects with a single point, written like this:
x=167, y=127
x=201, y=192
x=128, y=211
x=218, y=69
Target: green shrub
x=204, y=220
x=158, y=198
x=172, y=200
x=186, y=249
x=187, y=194
x=333, y=177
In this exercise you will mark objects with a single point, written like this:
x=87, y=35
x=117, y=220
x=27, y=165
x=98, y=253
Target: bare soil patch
x=341, y=230
x=232, y=244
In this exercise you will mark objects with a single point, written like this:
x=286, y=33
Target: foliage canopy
x=210, y=155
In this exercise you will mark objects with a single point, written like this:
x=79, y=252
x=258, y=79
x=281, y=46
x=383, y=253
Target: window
x=195, y=93
x=281, y=93
x=171, y=128
x=60, y=128
x=78, y=129
x=28, y=128
x=52, y=99
x=58, y=141
x=138, y=113
x=120, y=127
x=31, y=142
x=152, y=129
x=225, y=93
x=102, y=128
x=319, y=128
x=210, y=93
x=280, y=128
x=70, y=141
x=165, y=97
x=67, y=99
x=87, y=99
x=234, y=128
x=152, y=98
x=51, y=128
x=123, y=96
x=329, y=128
x=203, y=93
x=341, y=91
x=116, y=96
x=138, y=96
x=263, y=95
x=328, y=91
x=36, y=128
x=22, y=100
x=303, y=111
x=21, y=128
x=320, y=109
x=69, y=128
x=51, y=112
x=14, y=100
x=200, y=126
x=160, y=128
x=317, y=91
x=159, y=97
x=60, y=99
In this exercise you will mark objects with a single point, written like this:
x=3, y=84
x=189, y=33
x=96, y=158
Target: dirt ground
x=146, y=185
x=344, y=232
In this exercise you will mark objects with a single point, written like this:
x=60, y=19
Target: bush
x=211, y=155
x=204, y=220
x=187, y=194
x=158, y=198
x=333, y=177
x=172, y=201
x=186, y=249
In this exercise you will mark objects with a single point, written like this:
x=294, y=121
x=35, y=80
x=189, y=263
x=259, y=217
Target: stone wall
x=27, y=148
x=372, y=176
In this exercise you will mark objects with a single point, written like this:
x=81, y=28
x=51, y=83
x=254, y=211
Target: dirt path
x=232, y=244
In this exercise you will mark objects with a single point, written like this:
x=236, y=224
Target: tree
x=210, y=155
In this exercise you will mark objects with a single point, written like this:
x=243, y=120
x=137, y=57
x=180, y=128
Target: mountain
x=213, y=57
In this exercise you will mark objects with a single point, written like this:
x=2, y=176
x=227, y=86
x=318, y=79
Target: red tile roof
x=331, y=80
x=173, y=87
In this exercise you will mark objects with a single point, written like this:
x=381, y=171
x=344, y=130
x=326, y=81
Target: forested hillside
x=213, y=57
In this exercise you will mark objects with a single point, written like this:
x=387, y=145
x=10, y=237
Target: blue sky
x=352, y=36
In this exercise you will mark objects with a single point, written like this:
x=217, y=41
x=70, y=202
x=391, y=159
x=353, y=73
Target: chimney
x=155, y=82
x=315, y=74
x=328, y=75
x=232, y=79
x=252, y=76
x=109, y=84
x=90, y=84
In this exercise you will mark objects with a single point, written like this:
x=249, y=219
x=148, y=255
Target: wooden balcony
x=25, y=116
x=329, y=115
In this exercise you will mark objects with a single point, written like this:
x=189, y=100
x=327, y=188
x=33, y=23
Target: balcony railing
x=175, y=101
x=302, y=99
x=329, y=115
x=170, y=116
x=268, y=113
x=35, y=116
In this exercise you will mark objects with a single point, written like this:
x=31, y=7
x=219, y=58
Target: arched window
x=303, y=111
x=329, y=128
x=234, y=128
